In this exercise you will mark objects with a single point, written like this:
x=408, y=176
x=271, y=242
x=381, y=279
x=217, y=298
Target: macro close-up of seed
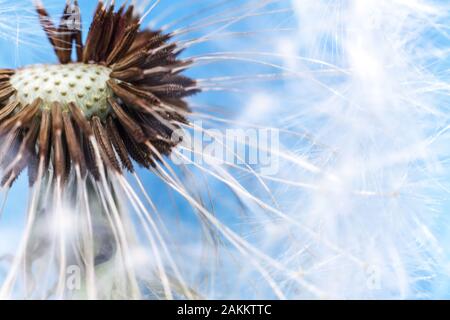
x=125, y=91
x=224, y=150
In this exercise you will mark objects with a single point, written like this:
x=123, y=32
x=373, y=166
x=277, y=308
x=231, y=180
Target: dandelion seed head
x=353, y=215
x=124, y=92
x=82, y=84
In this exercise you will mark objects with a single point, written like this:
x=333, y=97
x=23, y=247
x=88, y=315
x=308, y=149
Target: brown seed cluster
x=142, y=101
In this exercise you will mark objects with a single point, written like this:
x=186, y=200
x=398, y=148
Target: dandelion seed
x=84, y=120
x=105, y=94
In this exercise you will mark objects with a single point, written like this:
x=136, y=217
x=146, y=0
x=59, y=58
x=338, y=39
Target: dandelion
x=119, y=101
x=127, y=202
x=80, y=128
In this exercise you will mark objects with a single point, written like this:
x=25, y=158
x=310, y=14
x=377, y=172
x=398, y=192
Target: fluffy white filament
x=372, y=92
x=358, y=92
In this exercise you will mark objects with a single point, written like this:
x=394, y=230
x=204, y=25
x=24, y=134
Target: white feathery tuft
x=371, y=92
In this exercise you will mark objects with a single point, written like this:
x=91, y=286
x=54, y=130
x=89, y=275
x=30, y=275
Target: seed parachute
x=125, y=91
x=76, y=126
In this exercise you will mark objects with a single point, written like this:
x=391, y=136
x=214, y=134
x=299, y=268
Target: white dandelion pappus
x=97, y=227
x=372, y=94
